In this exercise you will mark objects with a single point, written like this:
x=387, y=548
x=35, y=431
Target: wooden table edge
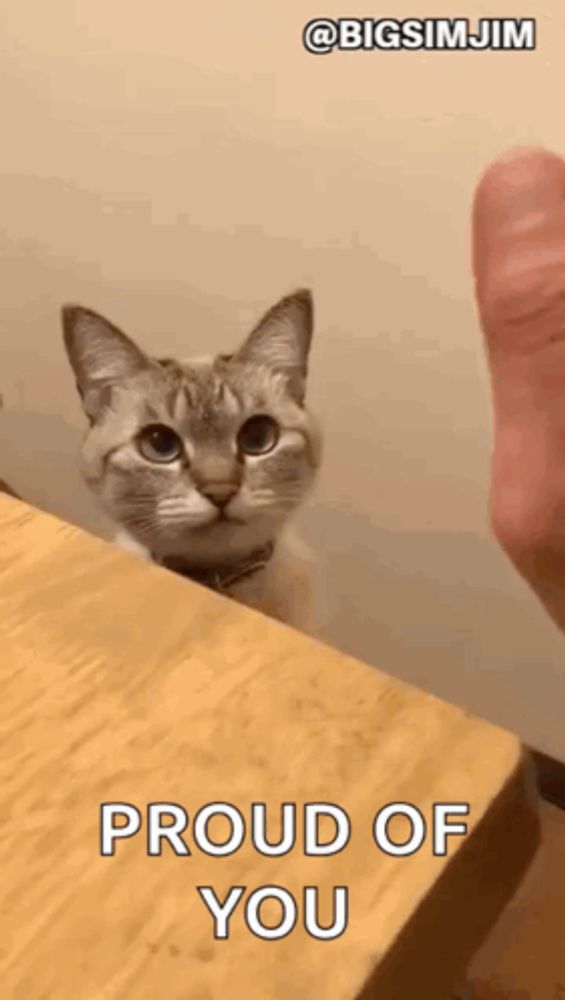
x=495, y=875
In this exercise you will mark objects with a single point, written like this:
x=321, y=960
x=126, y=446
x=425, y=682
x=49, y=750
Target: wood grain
x=123, y=682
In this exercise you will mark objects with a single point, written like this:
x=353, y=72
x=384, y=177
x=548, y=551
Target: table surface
x=124, y=683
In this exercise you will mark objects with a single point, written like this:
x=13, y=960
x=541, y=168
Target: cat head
x=207, y=457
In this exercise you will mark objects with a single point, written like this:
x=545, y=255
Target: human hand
x=519, y=266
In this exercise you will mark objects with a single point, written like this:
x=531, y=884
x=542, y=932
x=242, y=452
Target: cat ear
x=281, y=340
x=100, y=355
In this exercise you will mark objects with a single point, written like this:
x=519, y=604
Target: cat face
x=207, y=456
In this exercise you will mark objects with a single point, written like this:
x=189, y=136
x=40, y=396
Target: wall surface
x=180, y=166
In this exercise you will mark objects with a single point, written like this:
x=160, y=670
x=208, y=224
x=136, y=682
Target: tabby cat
x=201, y=463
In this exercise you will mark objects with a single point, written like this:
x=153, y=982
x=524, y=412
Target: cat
x=202, y=463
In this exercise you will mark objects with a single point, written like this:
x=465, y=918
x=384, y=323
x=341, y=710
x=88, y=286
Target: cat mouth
x=222, y=519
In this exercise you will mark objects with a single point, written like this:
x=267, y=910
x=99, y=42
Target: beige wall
x=179, y=166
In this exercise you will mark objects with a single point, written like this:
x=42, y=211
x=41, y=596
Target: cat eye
x=258, y=435
x=158, y=443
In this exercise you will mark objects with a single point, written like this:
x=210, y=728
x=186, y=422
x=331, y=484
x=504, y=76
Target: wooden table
x=122, y=683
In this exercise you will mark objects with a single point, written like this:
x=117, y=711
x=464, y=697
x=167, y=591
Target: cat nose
x=219, y=494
